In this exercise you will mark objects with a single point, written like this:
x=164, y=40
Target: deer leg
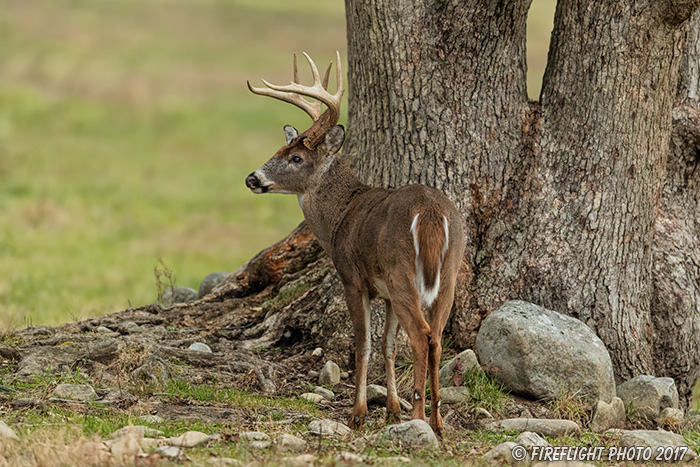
x=358, y=305
x=391, y=329
x=406, y=305
x=438, y=315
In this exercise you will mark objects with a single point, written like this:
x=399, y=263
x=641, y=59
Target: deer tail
x=430, y=230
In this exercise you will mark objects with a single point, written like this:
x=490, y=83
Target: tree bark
x=563, y=198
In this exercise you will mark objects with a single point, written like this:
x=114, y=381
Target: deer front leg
x=358, y=305
x=391, y=328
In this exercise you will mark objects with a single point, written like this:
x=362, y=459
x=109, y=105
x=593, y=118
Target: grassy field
x=126, y=131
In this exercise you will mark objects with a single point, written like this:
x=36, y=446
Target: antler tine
x=311, y=108
x=296, y=71
x=327, y=76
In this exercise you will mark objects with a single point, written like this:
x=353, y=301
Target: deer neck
x=329, y=198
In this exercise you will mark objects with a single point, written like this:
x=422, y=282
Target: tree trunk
x=567, y=200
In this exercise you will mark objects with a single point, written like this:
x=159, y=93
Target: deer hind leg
x=358, y=305
x=438, y=314
x=406, y=306
x=391, y=329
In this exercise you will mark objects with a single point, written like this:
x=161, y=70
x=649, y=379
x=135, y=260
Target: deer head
x=292, y=168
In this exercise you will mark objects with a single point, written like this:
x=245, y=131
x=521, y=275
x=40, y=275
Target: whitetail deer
x=403, y=245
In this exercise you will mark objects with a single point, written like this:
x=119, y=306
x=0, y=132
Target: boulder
x=658, y=441
x=500, y=454
x=178, y=294
x=646, y=396
x=609, y=416
x=376, y=395
x=211, y=281
x=74, y=392
x=529, y=439
x=541, y=354
x=670, y=417
x=330, y=374
x=416, y=433
x=452, y=373
x=290, y=443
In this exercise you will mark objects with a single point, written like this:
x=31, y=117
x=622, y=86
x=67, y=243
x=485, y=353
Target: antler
x=293, y=92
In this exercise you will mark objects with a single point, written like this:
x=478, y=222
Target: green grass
x=126, y=131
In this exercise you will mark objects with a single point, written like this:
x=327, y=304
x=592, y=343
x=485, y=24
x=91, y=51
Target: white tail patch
x=427, y=295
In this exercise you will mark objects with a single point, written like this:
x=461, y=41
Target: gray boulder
x=500, y=454
x=658, y=441
x=178, y=294
x=416, y=433
x=452, y=373
x=75, y=392
x=330, y=374
x=609, y=416
x=541, y=426
x=541, y=354
x=211, y=281
x=647, y=396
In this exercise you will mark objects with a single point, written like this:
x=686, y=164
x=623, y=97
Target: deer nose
x=252, y=181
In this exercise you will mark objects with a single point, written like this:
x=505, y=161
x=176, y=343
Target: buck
x=404, y=246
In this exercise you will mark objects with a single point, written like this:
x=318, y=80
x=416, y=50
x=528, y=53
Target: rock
x=376, y=395
x=224, y=462
x=253, y=436
x=315, y=398
x=171, y=452
x=199, y=347
x=326, y=393
x=528, y=439
x=318, y=352
x=189, y=439
x=27, y=402
x=139, y=431
x=452, y=373
x=454, y=394
x=128, y=327
x=541, y=354
x=541, y=426
x=481, y=413
x=326, y=427
x=500, y=454
x=608, y=416
x=305, y=460
x=103, y=329
x=394, y=460
x=312, y=375
x=670, y=417
x=416, y=433
x=655, y=440
x=646, y=396
x=178, y=294
x=349, y=458
x=74, y=392
x=6, y=432
x=151, y=419
x=127, y=446
x=211, y=281
x=115, y=396
x=344, y=375
x=290, y=443
x=330, y=374
x=692, y=420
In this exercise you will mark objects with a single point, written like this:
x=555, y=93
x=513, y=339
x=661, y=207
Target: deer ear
x=290, y=133
x=334, y=139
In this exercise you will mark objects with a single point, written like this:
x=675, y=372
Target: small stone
x=139, y=430
x=115, y=396
x=344, y=375
x=153, y=369
x=199, y=347
x=416, y=433
x=481, y=413
x=253, y=436
x=452, y=373
x=376, y=395
x=349, y=458
x=127, y=446
x=692, y=421
x=454, y=395
x=326, y=427
x=74, y=392
x=671, y=417
x=330, y=374
x=290, y=443
x=6, y=432
x=27, y=402
x=211, y=281
x=260, y=444
x=151, y=419
x=128, y=327
x=544, y=427
x=529, y=439
x=103, y=329
x=394, y=460
x=224, y=462
x=608, y=416
x=326, y=393
x=318, y=352
x=500, y=454
x=189, y=439
x=312, y=375
x=178, y=294
x=171, y=452
x=305, y=460
x=315, y=398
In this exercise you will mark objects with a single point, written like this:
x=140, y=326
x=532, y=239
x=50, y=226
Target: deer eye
x=296, y=159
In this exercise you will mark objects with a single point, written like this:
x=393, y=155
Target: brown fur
x=431, y=238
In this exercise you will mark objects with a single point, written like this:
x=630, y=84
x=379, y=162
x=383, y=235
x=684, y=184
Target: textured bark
x=676, y=300
x=560, y=197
